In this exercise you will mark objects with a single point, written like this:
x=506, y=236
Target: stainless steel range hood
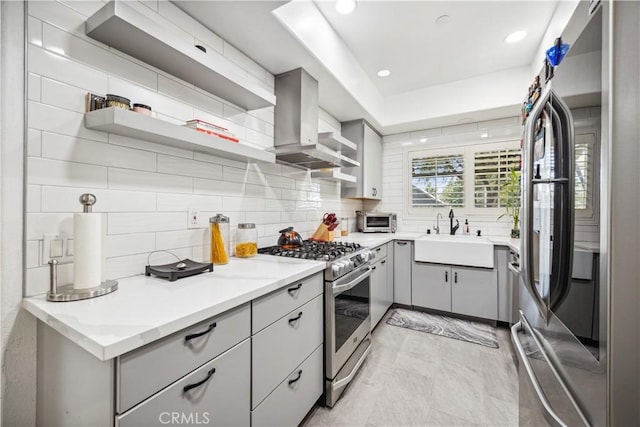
x=296, y=124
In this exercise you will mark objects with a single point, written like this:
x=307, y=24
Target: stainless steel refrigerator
x=568, y=338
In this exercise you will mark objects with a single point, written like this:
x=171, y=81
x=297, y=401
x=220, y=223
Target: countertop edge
x=109, y=351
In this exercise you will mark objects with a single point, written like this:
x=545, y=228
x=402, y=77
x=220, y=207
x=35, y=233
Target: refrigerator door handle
x=564, y=194
x=549, y=414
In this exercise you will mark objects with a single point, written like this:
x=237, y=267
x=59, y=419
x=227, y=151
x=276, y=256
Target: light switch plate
x=56, y=246
x=194, y=218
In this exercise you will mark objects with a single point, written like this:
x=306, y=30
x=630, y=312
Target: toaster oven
x=376, y=222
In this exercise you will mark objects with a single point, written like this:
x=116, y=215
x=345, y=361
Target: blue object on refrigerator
x=555, y=54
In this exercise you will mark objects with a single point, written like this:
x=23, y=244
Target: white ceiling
x=402, y=36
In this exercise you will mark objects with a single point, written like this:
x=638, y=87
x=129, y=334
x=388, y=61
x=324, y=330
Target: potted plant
x=510, y=193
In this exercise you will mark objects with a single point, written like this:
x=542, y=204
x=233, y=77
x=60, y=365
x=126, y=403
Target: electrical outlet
x=194, y=218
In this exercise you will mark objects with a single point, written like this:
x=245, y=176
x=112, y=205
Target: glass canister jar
x=246, y=240
x=220, y=242
x=344, y=226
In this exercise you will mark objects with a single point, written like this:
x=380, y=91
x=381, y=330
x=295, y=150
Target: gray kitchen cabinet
x=431, y=286
x=379, y=292
x=390, y=267
x=474, y=292
x=462, y=290
x=215, y=394
x=402, y=262
x=281, y=394
x=505, y=291
x=368, y=175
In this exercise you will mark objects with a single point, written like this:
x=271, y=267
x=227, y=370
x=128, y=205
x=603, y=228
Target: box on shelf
x=211, y=129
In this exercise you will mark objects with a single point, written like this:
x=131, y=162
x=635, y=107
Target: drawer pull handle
x=446, y=276
x=199, y=383
x=292, y=290
x=383, y=261
x=378, y=249
x=373, y=268
x=455, y=277
x=401, y=243
x=199, y=334
x=295, y=318
x=295, y=380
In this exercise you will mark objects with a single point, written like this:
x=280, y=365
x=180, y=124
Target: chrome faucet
x=437, y=227
x=452, y=229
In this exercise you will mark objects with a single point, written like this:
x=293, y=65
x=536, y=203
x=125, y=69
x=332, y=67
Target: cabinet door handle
x=446, y=276
x=199, y=334
x=401, y=243
x=295, y=288
x=373, y=268
x=295, y=318
x=296, y=379
x=378, y=249
x=199, y=383
x=455, y=277
x=382, y=262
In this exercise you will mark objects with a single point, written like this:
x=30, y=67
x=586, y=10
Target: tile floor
x=413, y=378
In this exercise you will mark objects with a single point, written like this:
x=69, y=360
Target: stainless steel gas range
x=347, y=307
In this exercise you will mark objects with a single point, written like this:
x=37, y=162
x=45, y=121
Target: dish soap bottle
x=466, y=229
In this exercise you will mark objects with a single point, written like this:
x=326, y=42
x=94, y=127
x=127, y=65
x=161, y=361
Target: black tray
x=173, y=273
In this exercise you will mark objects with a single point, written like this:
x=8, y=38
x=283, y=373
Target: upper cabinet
x=369, y=154
x=121, y=26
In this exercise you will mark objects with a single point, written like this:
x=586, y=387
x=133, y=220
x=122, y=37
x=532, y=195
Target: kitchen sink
x=471, y=251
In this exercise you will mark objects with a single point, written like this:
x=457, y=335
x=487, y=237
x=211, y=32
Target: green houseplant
x=510, y=193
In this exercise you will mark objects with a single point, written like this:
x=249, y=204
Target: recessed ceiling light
x=346, y=6
x=383, y=73
x=443, y=19
x=515, y=37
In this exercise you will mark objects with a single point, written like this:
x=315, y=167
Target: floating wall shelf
x=135, y=125
x=124, y=28
x=333, y=175
x=337, y=142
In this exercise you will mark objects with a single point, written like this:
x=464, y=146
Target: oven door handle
x=513, y=268
x=341, y=288
x=346, y=380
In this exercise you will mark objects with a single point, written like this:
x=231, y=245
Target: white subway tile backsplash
x=245, y=119
x=34, y=143
x=34, y=87
x=34, y=31
x=85, y=8
x=217, y=187
x=132, y=265
x=187, y=167
x=245, y=204
x=172, y=13
x=265, y=114
x=65, y=199
x=63, y=95
x=77, y=49
x=33, y=254
x=58, y=120
x=128, y=244
x=123, y=223
x=264, y=217
x=244, y=62
x=168, y=202
x=62, y=147
x=59, y=14
x=127, y=179
x=54, y=66
x=181, y=239
x=188, y=94
x=34, y=197
x=39, y=224
x=66, y=174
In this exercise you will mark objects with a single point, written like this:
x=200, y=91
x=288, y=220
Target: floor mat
x=463, y=330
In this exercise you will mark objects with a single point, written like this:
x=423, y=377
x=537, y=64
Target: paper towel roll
x=87, y=242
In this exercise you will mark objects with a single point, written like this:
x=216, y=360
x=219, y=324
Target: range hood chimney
x=296, y=124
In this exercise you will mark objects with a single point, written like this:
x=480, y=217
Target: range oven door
x=348, y=318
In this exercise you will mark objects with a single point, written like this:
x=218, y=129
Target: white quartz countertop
x=144, y=309
x=375, y=239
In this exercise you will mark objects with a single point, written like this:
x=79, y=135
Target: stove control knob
x=335, y=268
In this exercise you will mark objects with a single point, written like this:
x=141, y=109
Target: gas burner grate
x=313, y=250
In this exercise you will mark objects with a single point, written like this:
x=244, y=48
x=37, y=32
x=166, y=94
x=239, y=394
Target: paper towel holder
x=68, y=293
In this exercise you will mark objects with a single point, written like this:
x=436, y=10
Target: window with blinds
x=437, y=181
x=491, y=171
x=584, y=168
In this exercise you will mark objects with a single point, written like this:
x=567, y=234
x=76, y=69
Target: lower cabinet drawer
x=294, y=397
x=215, y=394
x=144, y=371
x=278, y=349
